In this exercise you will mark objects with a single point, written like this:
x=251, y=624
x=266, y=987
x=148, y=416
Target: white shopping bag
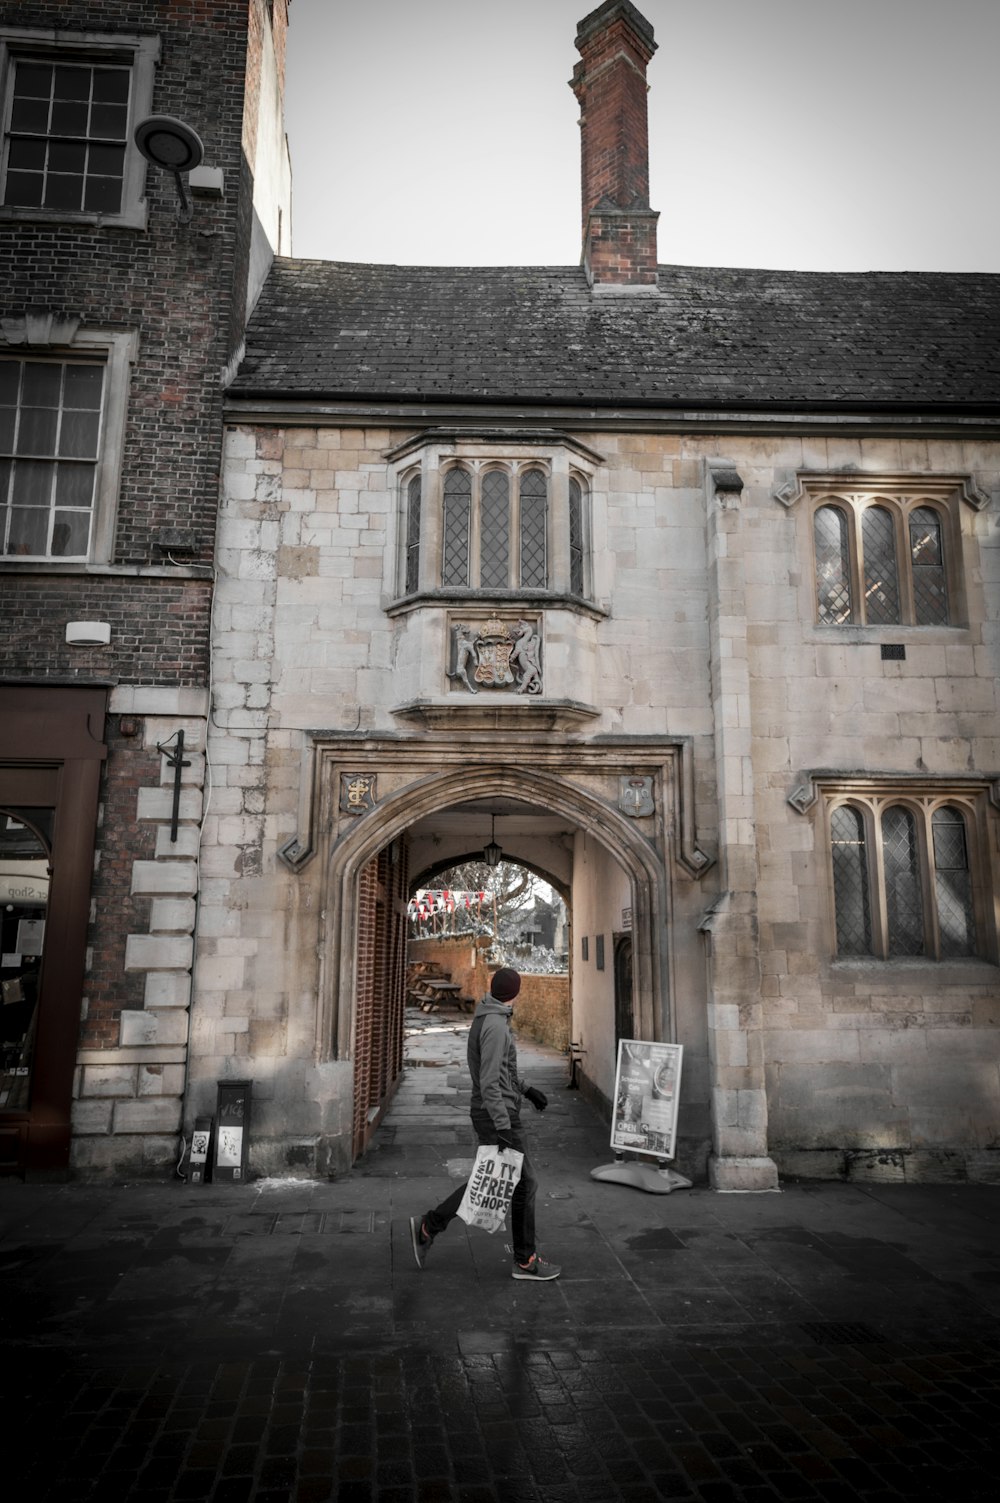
x=491, y=1185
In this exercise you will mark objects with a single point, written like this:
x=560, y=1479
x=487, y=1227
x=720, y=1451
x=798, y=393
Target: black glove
x=538, y=1099
x=504, y=1139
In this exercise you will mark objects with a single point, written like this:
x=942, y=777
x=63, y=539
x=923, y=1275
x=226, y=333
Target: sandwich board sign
x=644, y=1116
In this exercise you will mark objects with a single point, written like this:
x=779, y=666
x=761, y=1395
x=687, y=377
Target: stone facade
x=707, y=641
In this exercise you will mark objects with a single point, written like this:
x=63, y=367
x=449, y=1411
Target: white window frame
x=117, y=351
x=140, y=54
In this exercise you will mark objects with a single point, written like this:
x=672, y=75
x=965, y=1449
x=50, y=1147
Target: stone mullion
x=431, y=523
x=557, y=525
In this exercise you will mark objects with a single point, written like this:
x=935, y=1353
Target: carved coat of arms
x=635, y=796
x=357, y=792
x=496, y=654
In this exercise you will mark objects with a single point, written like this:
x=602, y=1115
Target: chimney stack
x=615, y=44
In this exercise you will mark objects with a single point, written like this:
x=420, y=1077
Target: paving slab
x=276, y=1341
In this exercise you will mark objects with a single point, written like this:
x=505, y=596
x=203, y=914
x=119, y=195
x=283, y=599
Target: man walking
x=496, y=1116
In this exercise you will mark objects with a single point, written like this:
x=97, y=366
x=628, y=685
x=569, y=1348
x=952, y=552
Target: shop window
x=907, y=877
x=25, y=856
x=71, y=102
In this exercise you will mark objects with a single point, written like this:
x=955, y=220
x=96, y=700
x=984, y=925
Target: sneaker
x=421, y=1239
x=536, y=1269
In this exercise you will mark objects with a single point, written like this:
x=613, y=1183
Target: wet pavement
x=275, y=1341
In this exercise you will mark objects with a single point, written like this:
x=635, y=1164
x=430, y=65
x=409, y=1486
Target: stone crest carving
x=496, y=654
x=357, y=792
x=635, y=796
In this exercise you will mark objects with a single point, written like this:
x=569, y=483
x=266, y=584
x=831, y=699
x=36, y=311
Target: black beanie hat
x=505, y=985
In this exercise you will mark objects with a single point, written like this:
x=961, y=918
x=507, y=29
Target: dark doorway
x=50, y=767
x=624, y=1020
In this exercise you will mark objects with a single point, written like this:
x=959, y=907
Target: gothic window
x=534, y=527
x=499, y=518
x=412, y=534
x=881, y=591
x=850, y=882
x=930, y=589
x=457, y=517
x=833, y=566
x=576, y=537
x=904, y=878
x=69, y=109
x=953, y=882
x=495, y=529
x=881, y=561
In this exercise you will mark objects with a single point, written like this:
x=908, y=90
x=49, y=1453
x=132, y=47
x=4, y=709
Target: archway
x=442, y=808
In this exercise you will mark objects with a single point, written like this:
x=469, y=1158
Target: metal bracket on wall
x=175, y=760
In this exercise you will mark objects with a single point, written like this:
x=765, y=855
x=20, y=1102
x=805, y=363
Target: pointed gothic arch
x=645, y=864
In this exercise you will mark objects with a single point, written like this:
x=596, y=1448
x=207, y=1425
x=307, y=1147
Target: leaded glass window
x=903, y=899
x=952, y=883
x=67, y=136
x=833, y=566
x=494, y=546
x=413, y=535
x=850, y=882
x=930, y=591
x=534, y=525
x=457, y=516
x=881, y=582
x=50, y=429
x=575, y=537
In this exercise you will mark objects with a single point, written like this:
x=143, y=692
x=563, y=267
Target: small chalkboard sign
x=232, y=1131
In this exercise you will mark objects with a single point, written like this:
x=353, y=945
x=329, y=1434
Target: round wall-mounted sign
x=169, y=143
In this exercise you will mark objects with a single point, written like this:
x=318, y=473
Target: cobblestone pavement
x=277, y=1343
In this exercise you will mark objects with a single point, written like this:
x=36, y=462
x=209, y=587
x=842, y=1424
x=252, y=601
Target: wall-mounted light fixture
x=169, y=143
x=492, y=852
x=88, y=633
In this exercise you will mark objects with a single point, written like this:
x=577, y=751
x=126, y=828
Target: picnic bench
x=430, y=989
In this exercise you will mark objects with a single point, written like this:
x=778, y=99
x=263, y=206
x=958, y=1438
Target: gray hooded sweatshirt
x=496, y=1086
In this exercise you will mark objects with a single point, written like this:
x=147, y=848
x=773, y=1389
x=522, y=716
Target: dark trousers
x=522, y=1206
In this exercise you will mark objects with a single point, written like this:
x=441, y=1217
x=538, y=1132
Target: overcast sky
x=845, y=135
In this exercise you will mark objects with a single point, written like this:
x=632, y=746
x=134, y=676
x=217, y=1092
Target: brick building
x=123, y=308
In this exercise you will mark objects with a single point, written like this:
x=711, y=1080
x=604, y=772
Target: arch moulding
x=415, y=779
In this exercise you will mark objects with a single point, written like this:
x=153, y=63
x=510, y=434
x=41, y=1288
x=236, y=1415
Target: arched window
x=886, y=559
x=930, y=588
x=471, y=518
x=852, y=903
x=833, y=566
x=903, y=899
x=953, y=883
x=534, y=527
x=412, y=572
x=576, y=537
x=494, y=531
x=881, y=584
x=457, y=517
x=908, y=876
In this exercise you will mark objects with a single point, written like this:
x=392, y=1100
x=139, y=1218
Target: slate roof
x=714, y=338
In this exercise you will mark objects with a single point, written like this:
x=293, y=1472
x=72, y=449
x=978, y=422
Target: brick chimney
x=615, y=44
